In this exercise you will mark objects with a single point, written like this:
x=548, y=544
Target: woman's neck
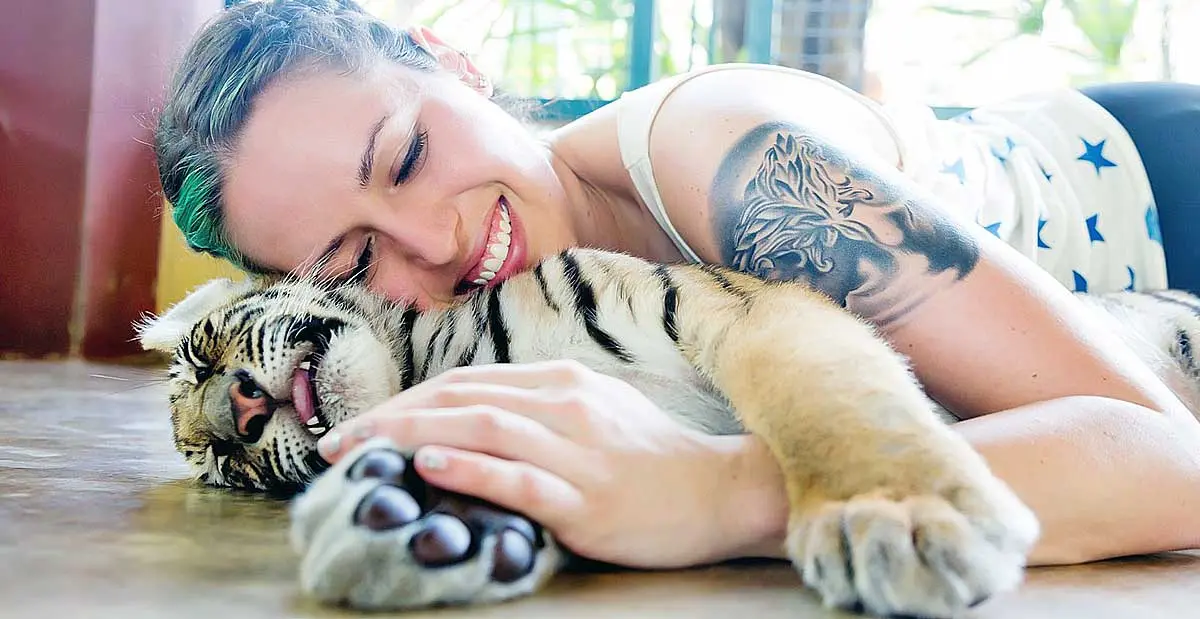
x=605, y=212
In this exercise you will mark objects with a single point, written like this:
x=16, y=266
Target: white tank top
x=1054, y=175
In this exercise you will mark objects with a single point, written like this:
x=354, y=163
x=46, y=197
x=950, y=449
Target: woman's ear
x=452, y=59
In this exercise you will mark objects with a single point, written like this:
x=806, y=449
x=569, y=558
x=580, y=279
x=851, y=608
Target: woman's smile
x=501, y=250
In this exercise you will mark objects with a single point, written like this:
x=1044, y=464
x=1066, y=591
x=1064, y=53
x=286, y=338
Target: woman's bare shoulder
x=680, y=112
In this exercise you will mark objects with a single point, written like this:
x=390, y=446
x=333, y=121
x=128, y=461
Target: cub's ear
x=163, y=333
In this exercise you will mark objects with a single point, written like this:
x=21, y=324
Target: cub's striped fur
x=890, y=510
x=1163, y=328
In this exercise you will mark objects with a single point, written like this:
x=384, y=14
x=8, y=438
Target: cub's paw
x=924, y=556
x=373, y=535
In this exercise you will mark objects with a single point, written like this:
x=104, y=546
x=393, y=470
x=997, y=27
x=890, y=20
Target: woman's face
x=412, y=177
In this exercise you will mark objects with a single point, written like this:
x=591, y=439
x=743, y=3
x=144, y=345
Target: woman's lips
x=502, y=252
x=515, y=262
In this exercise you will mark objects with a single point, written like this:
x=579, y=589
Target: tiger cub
x=260, y=371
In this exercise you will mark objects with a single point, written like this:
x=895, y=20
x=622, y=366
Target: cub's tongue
x=302, y=395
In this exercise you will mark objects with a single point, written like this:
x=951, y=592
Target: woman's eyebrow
x=367, y=163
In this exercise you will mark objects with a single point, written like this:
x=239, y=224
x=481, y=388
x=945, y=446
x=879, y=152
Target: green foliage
x=1105, y=24
x=540, y=39
x=1027, y=16
x=534, y=35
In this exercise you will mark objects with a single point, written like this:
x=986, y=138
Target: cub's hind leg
x=891, y=511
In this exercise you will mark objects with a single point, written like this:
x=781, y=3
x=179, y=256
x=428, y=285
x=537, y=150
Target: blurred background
x=85, y=250
x=946, y=52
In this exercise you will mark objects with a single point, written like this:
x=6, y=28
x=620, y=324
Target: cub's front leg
x=891, y=512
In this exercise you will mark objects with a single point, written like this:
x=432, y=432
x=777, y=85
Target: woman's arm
x=1106, y=479
x=769, y=188
x=1075, y=422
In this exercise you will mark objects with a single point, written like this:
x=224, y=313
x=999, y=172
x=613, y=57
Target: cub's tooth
x=316, y=431
x=313, y=422
x=481, y=281
x=499, y=251
x=504, y=237
x=305, y=365
x=492, y=264
x=486, y=276
x=505, y=226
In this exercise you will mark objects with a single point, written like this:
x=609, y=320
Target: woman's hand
x=587, y=456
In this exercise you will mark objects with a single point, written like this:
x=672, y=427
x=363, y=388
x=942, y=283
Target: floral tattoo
x=808, y=212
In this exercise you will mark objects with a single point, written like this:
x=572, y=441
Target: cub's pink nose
x=250, y=405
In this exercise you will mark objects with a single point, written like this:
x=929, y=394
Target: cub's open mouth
x=304, y=397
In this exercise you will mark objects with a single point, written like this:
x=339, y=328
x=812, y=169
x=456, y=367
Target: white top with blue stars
x=1052, y=174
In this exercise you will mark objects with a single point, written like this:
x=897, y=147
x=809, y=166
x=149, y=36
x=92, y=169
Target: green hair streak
x=195, y=214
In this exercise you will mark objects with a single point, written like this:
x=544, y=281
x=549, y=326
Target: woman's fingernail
x=329, y=444
x=431, y=460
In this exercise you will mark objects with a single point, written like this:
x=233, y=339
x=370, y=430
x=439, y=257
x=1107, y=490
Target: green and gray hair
x=230, y=61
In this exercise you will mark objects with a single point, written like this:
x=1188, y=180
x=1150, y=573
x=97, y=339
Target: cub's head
x=261, y=371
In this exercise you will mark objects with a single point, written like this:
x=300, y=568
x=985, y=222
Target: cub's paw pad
x=385, y=508
x=386, y=465
x=452, y=525
x=374, y=535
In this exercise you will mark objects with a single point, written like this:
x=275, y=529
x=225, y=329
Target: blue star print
x=1045, y=173
x=1080, y=282
x=957, y=170
x=1004, y=153
x=1129, y=288
x=1041, y=244
x=993, y=228
x=1094, y=154
x=1152, y=229
x=1093, y=233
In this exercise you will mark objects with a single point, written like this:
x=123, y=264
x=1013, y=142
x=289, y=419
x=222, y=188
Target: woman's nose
x=427, y=235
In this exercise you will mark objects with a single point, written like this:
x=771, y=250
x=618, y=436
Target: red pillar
x=80, y=81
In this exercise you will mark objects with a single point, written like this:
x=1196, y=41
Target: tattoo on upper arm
x=790, y=207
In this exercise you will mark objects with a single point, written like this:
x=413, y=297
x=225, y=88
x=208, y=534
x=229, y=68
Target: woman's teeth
x=497, y=250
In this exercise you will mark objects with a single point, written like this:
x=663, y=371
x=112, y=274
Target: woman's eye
x=413, y=158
